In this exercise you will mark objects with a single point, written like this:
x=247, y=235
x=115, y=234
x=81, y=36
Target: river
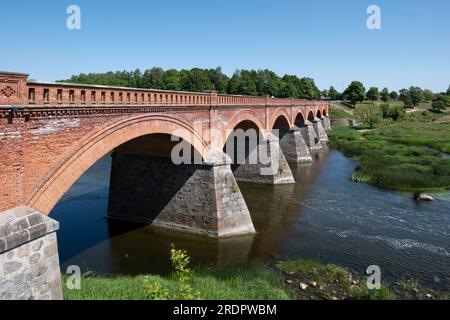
x=324, y=216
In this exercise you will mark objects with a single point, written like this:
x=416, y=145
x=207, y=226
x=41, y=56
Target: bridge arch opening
x=300, y=120
x=319, y=114
x=242, y=142
x=96, y=145
x=311, y=116
x=281, y=123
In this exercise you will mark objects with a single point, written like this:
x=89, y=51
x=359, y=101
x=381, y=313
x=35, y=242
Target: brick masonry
x=29, y=263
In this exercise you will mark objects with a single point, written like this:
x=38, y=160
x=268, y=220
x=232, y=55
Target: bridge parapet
x=17, y=90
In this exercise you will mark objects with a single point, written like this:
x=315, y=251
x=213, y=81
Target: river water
x=324, y=216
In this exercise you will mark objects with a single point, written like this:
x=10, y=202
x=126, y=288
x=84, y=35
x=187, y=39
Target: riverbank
x=397, y=155
x=299, y=279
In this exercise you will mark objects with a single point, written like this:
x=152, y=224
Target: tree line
x=411, y=97
x=257, y=83
x=242, y=82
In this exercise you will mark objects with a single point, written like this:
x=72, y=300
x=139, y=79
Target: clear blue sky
x=325, y=40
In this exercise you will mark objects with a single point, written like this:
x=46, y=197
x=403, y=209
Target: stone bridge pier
x=202, y=198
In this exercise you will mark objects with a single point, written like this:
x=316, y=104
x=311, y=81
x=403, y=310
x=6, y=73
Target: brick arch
x=241, y=116
x=325, y=111
x=280, y=112
x=96, y=145
x=318, y=113
x=301, y=112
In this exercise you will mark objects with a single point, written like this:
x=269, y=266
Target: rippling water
x=324, y=216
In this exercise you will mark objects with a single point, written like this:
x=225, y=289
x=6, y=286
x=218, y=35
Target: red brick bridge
x=51, y=133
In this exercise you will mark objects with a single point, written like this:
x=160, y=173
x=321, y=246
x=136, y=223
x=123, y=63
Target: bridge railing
x=15, y=89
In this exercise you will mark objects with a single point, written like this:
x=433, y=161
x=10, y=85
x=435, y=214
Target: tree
x=440, y=103
x=448, y=91
x=196, y=80
x=368, y=115
x=373, y=94
x=393, y=95
x=325, y=94
x=355, y=92
x=333, y=94
x=428, y=95
x=384, y=95
x=405, y=97
x=416, y=95
x=308, y=89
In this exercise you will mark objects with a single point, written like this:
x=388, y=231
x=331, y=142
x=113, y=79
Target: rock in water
x=424, y=197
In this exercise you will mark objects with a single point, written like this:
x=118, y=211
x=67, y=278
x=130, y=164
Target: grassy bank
x=396, y=155
x=236, y=282
x=300, y=279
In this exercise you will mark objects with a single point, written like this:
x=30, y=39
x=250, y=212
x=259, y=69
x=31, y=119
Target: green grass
x=255, y=282
x=339, y=113
x=252, y=282
x=395, y=156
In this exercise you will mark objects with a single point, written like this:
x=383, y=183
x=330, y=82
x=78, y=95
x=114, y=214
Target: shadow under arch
x=99, y=143
x=299, y=120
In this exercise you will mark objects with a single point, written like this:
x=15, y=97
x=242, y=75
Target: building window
x=143, y=98
x=83, y=96
x=136, y=97
x=46, y=95
x=120, y=97
x=59, y=95
x=31, y=94
x=112, y=97
x=103, y=96
x=71, y=95
x=93, y=96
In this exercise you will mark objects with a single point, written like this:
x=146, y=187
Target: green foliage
x=355, y=92
x=405, y=97
x=412, y=97
x=416, y=95
x=182, y=275
x=428, y=95
x=338, y=113
x=393, y=95
x=368, y=115
x=333, y=94
x=249, y=282
x=243, y=82
x=373, y=94
x=362, y=293
x=385, y=95
x=394, y=112
x=438, y=105
x=441, y=102
x=395, y=156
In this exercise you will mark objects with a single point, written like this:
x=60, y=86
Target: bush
x=395, y=112
x=369, y=115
